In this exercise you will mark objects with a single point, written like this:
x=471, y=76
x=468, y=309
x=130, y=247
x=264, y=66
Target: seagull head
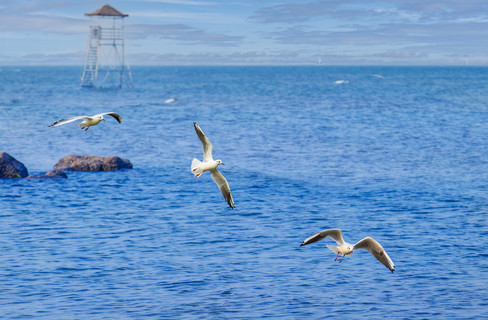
x=100, y=118
x=219, y=162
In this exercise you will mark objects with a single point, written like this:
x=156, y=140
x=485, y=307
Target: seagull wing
x=375, y=248
x=333, y=233
x=223, y=186
x=207, y=146
x=68, y=120
x=113, y=114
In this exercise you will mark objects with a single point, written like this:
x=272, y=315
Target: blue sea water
x=396, y=153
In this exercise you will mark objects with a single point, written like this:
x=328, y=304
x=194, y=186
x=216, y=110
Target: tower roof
x=106, y=10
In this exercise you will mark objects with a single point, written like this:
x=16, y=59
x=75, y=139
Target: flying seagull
x=346, y=249
x=209, y=164
x=88, y=121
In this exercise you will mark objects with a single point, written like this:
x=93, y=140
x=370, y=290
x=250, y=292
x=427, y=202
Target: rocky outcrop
x=92, y=163
x=53, y=174
x=11, y=168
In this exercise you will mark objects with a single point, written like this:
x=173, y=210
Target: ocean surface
x=399, y=154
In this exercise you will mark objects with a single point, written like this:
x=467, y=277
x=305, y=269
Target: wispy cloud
x=414, y=10
x=182, y=33
x=296, y=12
x=41, y=23
x=185, y=2
x=187, y=16
x=205, y=58
x=67, y=58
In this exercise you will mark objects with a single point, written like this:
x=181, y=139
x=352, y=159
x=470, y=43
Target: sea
x=399, y=154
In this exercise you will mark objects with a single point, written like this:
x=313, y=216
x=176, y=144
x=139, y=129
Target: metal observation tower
x=105, y=65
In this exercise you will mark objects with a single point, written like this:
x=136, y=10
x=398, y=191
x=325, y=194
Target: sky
x=253, y=32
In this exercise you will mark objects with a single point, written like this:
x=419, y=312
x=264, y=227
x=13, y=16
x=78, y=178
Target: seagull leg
x=342, y=258
x=82, y=127
x=336, y=257
x=87, y=128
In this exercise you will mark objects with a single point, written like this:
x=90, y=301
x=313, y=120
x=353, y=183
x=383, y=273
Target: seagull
x=170, y=100
x=88, y=121
x=209, y=164
x=346, y=249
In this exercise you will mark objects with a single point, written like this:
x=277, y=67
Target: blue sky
x=249, y=32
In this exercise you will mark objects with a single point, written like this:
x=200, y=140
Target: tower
x=105, y=64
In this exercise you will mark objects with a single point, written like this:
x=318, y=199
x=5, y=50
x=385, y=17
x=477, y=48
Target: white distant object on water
x=346, y=249
x=171, y=100
x=209, y=164
x=341, y=81
x=319, y=61
x=379, y=76
x=88, y=121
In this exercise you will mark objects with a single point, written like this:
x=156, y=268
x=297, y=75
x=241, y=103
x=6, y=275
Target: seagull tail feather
x=195, y=167
x=332, y=248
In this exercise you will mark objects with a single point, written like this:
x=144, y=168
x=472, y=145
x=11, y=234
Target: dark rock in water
x=11, y=168
x=53, y=174
x=92, y=163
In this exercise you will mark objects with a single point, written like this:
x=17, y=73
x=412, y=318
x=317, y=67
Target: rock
x=92, y=163
x=53, y=174
x=11, y=168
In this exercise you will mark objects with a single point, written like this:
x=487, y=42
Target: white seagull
x=88, y=121
x=209, y=164
x=346, y=249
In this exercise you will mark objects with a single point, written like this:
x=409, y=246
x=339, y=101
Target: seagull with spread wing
x=346, y=249
x=88, y=121
x=209, y=164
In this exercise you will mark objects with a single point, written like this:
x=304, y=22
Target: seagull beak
x=222, y=163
